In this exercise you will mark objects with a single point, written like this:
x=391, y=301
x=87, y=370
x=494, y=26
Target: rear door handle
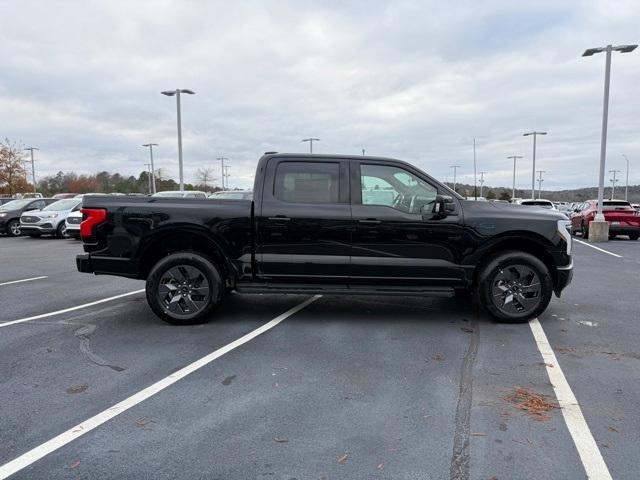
x=370, y=221
x=279, y=218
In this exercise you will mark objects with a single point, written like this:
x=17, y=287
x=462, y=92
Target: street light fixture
x=540, y=180
x=455, y=171
x=310, y=140
x=533, y=171
x=613, y=181
x=33, y=168
x=171, y=93
x=626, y=187
x=605, y=114
x=513, y=188
x=153, y=171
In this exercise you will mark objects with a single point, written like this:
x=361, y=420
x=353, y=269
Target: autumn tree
x=13, y=176
x=205, y=176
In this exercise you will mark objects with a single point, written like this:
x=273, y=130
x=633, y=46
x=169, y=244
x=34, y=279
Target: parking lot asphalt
x=361, y=387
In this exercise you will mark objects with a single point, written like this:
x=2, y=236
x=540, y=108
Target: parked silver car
x=50, y=220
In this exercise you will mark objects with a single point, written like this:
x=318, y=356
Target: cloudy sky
x=416, y=80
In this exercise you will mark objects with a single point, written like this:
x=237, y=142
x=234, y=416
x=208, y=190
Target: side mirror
x=442, y=205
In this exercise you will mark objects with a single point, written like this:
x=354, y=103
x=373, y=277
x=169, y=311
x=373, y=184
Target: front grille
x=74, y=220
x=29, y=219
x=46, y=225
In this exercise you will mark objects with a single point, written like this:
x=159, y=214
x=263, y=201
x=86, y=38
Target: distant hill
x=575, y=195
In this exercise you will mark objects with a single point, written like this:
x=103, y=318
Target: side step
x=307, y=289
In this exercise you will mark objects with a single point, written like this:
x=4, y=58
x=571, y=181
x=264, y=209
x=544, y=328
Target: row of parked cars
x=61, y=217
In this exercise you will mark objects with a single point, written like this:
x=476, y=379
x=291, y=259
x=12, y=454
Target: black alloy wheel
x=13, y=228
x=585, y=231
x=183, y=288
x=515, y=287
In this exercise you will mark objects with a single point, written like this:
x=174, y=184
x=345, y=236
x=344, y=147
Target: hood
x=512, y=210
x=47, y=214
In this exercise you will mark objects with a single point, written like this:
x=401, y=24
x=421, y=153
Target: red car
x=622, y=217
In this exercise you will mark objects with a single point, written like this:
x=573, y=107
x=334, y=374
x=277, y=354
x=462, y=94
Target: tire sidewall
x=10, y=225
x=502, y=261
x=205, y=265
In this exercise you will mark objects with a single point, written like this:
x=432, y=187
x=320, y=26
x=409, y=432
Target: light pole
x=226, y=174
x=540, y=180
x=310, y=140
x=363, y=152
x=455, y=171
x=513, y=188
x=33, y=168
x=171, y=93
x=153, y=171
x=475, y=186
x=626, y=187
x=222, y=159
x=605, y=114
x=533, y=170
x=613, y=181
x=148, y=165
x=481, y=182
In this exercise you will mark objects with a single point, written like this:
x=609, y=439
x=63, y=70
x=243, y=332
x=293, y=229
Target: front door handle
x=279, y=218
x=370, y=221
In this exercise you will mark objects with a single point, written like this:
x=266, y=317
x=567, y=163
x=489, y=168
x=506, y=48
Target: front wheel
x=13, y=228
x=61, y=230
x=515, y=287
x=585, y=231
x=183, y=288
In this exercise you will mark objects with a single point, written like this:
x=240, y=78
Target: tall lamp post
x=153, y=170
x=33, y=168
x=455, y=171
x=533, y=170
x=604, y=234
x=481, y=182
x=226, y=174
x=626, y=186
x=310, y=140
x=475, y=176
x=171, y=93
x=513, y=188
x=540, y=180
x=148, y=165
x=222, y=159
x=613, y=181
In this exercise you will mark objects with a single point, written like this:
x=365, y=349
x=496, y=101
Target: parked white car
x=179, y=194
x=73, y=221
x=50, y=220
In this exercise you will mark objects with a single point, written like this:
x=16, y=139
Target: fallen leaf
x=379, y=467
x=280, y=440
x=77, y=388
x=478, y=434
x=612, y=429
x=343, y=458
x=75, y=464
x=534, y=404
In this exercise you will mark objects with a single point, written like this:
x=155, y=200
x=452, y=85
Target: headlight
x=564, y=228
x=3, y=215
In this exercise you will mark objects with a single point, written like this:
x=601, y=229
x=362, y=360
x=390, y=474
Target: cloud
x=410, y=79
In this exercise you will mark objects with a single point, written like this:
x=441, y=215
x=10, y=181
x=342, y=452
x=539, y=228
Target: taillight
x=95, y=216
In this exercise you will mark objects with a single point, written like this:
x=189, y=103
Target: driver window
x=396, y=188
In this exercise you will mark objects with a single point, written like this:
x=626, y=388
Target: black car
x=335, y=225
x=10, y=213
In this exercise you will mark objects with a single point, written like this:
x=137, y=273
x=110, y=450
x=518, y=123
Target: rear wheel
x=183, y=288
x=62, y=228
x=13, y=228
x=585, y=230
x=515, y=287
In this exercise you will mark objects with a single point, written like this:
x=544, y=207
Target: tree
x=205, y=175
x=491, y=195
x=13, y=176
x=504, y=195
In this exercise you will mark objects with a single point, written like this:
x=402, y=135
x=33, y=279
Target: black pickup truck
x=330, y=224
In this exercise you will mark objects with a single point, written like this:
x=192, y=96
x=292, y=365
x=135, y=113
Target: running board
x=307, y=289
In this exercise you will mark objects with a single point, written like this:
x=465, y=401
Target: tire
x=62, y=228
x=13, y=228
x=34, y=235
x=514, y=274
x=634, y=236
x=188, y=271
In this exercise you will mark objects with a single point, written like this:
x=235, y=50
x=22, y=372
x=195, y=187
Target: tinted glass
x=306, y=182
x=62, y=205
x=616, y=205
x=16, y=204
x=396, y=188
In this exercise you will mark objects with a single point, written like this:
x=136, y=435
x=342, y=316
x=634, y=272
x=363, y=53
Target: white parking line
x=598, y=248
x=71, y=309
x=586, y=445
x=61, y=440
x=23, y=280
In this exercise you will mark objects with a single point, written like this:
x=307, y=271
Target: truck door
x=397, y=238
x=303, y=228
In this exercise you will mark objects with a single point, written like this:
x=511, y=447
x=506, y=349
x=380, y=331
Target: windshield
x=16, y=204
x=619, y=205
x=538, y=203
x=60, y=205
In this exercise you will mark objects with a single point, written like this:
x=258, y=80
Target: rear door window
x=307, y=182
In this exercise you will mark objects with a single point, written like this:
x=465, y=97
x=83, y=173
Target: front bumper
x=30, y=228
x=564, y=275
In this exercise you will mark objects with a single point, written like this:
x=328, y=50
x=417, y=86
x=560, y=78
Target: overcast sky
x=415, y=80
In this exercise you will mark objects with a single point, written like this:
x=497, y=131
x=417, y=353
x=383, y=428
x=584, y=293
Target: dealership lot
x=384, y=387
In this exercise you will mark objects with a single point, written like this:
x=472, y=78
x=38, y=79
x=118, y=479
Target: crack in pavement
x=85, y=347
x=459, y=469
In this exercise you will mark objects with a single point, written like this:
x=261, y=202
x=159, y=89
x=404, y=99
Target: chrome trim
x=566, y=267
